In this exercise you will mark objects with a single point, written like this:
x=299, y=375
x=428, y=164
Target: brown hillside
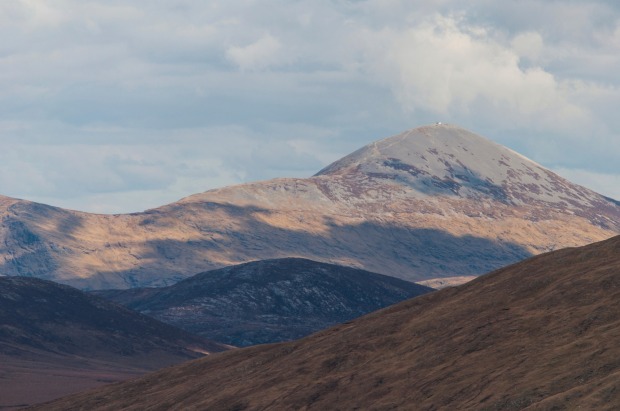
x=56, y=340
x=543, y=334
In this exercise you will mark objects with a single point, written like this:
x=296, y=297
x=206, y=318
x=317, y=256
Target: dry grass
x=539, y=335
x=56, y=340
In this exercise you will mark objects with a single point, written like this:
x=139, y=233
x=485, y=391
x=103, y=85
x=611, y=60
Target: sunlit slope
x=435, y=201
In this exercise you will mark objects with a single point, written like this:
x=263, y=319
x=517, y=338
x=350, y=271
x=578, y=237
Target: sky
x=119, y=106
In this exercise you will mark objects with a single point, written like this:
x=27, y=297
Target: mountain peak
x=414, y=146
x=448, y=160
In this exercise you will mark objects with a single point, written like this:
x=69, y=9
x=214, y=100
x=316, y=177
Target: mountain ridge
x=415, y=218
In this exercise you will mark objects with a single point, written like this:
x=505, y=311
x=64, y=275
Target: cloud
x=116, y=169
x=123, y=105
x=451, y=68
x=528, y=45
x=258, y=55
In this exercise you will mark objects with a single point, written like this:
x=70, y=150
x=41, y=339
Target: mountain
x=539, y=335
x=433, y=202
x=267, y=301
x=55, y=340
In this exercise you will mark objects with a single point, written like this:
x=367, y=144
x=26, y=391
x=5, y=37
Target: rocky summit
x=446, y=161
x=433, y=202
x=267, y=301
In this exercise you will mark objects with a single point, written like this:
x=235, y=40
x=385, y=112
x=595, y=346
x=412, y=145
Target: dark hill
x=267, y=301
x=55, y=340
x=542, y=334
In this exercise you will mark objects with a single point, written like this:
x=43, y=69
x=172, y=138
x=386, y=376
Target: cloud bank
x=120, y=106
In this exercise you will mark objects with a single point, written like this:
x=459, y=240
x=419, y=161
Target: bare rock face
x=432, y=202
x=267, y=301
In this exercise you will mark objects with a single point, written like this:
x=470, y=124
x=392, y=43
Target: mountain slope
x=435, y=201
x=55, y=340
x=449, y=161
x=539, y=335
x=267, y=301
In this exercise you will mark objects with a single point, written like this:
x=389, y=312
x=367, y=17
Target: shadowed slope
x=267, y=301
x=55, y=340
x=541, y=335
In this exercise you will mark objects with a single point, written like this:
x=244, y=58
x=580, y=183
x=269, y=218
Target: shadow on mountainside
x=67, y=221
x=407, y=253
x=32, y=252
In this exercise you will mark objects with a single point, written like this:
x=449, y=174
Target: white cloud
x=451, y=68
x=34, y=14
x=528, y=45
x=256, y=56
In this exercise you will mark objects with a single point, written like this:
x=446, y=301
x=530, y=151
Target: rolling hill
x=55, y=340
x=538, y=335
x=267, y=301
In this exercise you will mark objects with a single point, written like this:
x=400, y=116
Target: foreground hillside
x=541, y=335
x=55, y=340
x=435, y=201
x=267, y=301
